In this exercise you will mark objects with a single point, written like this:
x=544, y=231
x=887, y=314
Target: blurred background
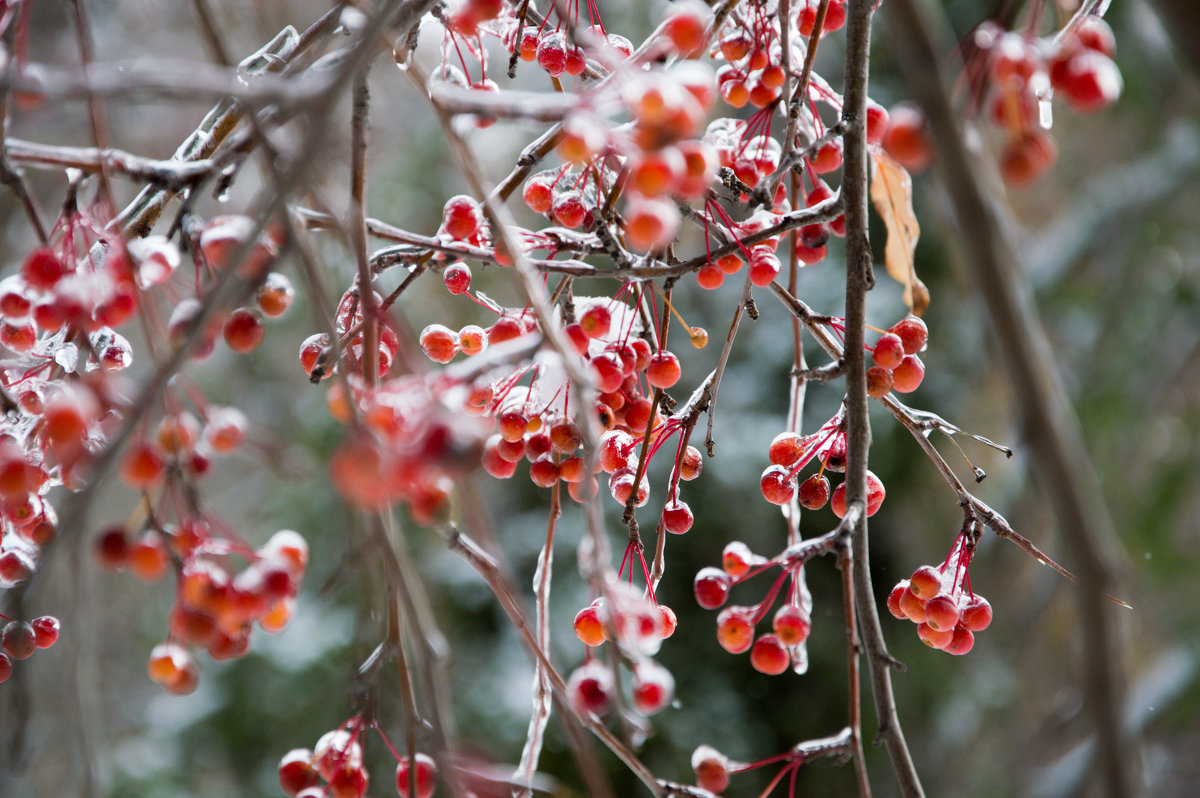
x=1111, y=249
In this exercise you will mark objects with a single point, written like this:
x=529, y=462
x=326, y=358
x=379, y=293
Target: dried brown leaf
x=891, y=192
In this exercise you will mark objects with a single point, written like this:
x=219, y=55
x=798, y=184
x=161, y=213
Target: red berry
x=813, y=236
x=426, y=776
x=737, y=559
x=791, y=624
x=941, y=613
x=111, y=547
x=20, y=640
x=1013, y=58
x=457, y=278
x=142, y=466
x=809, y=255
x=439, y=343
x=669, y=621
x=552, y=53
x=42, y=269
x=913, y=334
x=15, y=299
x=1091, y=81
x=663, y=370
x=711, y=587
x=621, y=485
x=769, y=655
x=539, y=193
x=932, y=637
x=877, y=123
x=906, y=138
x=710, y=278
x=691, y=465
x=650, y=224
x=543, y=473
x=961, y=643
x=879, y=382
x=926, y=582
x=311, y=350
x=170, y=664
x=576, y=62
x=596, y=321
x=912, y=606
x=907, y=377
x=19, y=335
x=711, y=768
x=735, y=629
x=653, y=687
x=828, y=158
x=609, y=372
x=585, y=490
x=276, y=295
x=148, y=558
x=893, y=600
x=590, y=688
x=616, y=448
x=461, y=217
x=6, y=667
x=1027, y=157
x=976, y=614
x=578, y=338
x=296, y=772
x=764, y=269
x=653, y=174
x=778, y=485
x=589, y=625
x=243, y=330
x=785, y=449
x=686, y=27
x=336, y=750
x=529, y=43
x=730, y=264
x=814, y=492
x=889, y=351
x=875, y=496
x=677, y=517
x=1095, y=34
x=349, y=782
x=505, y=328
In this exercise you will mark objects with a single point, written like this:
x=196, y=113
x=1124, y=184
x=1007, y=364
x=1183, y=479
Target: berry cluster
x=214, y=608
x=552, y=51
x=770, y=653
x=898, y=367
x=536, y=423
x=637, y=624
x=653, y=162
x=1013, y=77
x=789, y=453
x=940, y=601
x=591, y=687
x=334, y=767
x=1023, y=72
x=59, y=318
x=751, y=48
x=19, y=639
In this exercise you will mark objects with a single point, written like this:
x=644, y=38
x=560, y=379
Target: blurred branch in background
x=1049, y=425
x=1182, y=19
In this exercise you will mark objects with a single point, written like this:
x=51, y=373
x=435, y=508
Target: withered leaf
x=891, y=192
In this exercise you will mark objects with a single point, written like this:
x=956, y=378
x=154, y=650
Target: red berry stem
x=768, y=602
